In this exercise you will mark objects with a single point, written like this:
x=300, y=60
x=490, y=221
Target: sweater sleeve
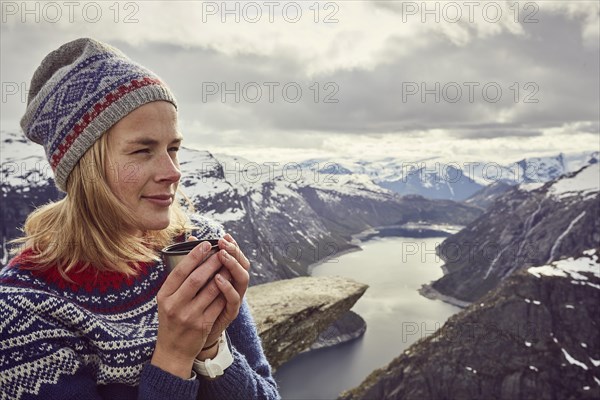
x=249, y=377
x=156, y=384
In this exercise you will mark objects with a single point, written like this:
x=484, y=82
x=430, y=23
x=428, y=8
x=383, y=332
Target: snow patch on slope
x=571, y=268
x=585, y=182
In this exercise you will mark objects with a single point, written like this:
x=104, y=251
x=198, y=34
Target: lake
x=396, y=315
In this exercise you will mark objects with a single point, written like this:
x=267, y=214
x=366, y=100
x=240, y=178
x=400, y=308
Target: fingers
x=229, y=244
x=203, y=300
x=198, y=279
x=214, y=310
x=184, y=268
x=240, y=275
x=231, y=295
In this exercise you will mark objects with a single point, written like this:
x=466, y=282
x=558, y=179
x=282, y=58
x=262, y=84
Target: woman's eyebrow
x=152, y=142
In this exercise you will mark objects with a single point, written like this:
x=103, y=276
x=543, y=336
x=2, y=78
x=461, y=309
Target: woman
x=88, y=309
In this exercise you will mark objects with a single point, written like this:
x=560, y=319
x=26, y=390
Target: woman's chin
x=156, y=225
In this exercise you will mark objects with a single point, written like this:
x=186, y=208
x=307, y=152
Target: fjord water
x=396, y=315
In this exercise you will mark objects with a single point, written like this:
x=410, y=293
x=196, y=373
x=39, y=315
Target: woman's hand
x=185, y=316
x=233, y=286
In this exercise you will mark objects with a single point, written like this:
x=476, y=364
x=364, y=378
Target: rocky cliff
x=531, y=224
x=536, y=336
x=291, y=314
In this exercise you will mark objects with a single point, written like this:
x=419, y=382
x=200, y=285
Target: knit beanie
x=77, y=93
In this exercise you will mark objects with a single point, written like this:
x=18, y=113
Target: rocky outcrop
x=536, y=336
x=531, y=224
x=348, y=327
x=291, y=314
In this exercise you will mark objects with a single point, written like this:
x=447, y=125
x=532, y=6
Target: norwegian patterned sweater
x=94, y=339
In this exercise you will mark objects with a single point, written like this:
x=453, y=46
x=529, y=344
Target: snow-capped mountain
x=450, y=183
x=531, y=173
x=530, y=224
x=285, y=217
x=435, y=178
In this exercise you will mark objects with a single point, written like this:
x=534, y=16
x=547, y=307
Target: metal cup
x=174, y=253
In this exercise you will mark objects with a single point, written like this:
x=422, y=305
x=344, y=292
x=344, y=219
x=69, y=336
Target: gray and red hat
x=77, y=93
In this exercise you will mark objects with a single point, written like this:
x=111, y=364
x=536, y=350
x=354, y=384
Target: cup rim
x=183, y=248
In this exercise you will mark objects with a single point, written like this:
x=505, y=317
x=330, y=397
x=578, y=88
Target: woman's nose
x=168, y=169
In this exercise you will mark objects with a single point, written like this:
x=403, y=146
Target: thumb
x=192, y=238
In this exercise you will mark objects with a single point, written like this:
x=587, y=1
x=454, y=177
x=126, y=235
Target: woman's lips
x=160, y=201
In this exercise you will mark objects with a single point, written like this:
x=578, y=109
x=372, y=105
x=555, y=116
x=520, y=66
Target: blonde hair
x=92, y=226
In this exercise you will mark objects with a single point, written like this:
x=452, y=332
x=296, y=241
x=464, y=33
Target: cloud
x=492, y=133
x=378, y=70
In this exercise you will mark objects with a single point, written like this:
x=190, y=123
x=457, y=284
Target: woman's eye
x=148, y=150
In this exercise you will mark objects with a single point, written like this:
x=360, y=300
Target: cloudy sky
x=276, y=81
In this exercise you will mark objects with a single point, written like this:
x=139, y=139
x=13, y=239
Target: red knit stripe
x=97, y=109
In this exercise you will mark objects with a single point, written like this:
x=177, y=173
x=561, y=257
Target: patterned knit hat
x=77, y=93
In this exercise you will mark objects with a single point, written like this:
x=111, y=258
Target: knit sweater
x=94, y=339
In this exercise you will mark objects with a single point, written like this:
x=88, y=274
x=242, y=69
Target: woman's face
x=143, y=170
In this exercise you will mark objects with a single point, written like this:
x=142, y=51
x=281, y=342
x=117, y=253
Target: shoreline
x=444, y=229
x=429, y=292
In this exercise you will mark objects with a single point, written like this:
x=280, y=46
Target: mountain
x=531, y=224
x=540, y=169
x=435, y=178
x=576, y=161
x=536, y=336
x=285, y=218
x=486, y=196
x=531, y=170
x=448, y=183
